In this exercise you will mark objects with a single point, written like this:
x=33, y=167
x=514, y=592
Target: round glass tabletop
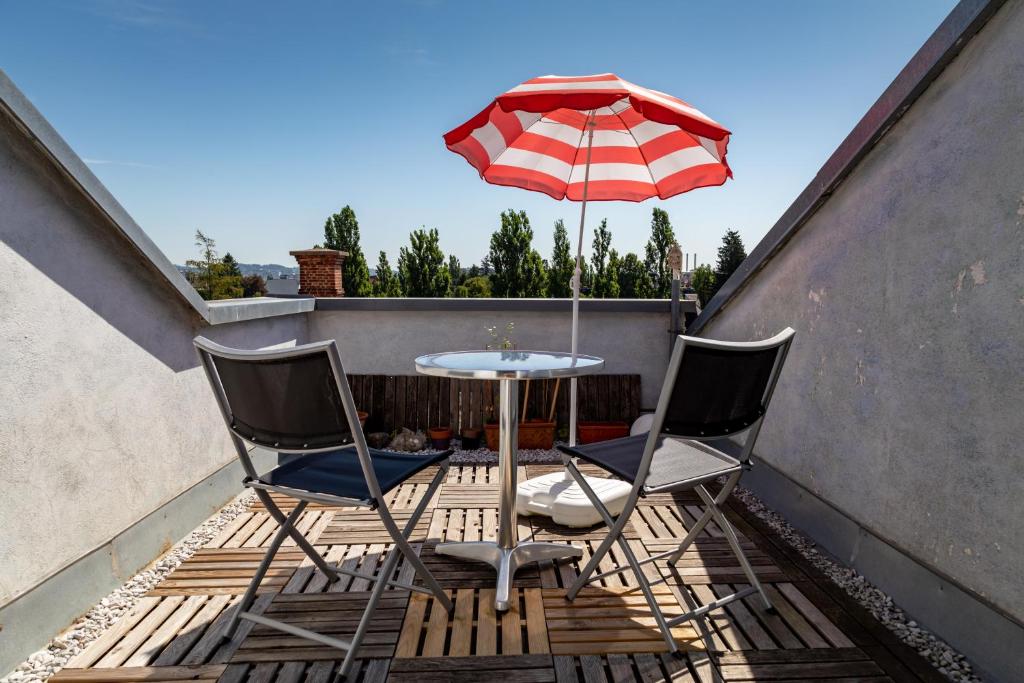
x=508, y=364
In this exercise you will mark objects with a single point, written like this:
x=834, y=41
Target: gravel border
x=940, y=654
x=87, y=628
x=47, y=661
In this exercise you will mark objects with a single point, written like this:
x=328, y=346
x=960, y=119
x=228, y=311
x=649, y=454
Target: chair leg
x=301, y=541
x=401, y=539
x=371, y=606
x=691, y=536
x=652, y=602
x=615, y=528
x=250, y=592
x=734, y=543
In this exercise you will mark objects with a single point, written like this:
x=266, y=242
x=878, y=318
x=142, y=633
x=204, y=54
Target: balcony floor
x=173, y=633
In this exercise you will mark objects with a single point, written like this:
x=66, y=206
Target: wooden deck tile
x=510, y=669
x=228, y=571
x=473, y=628
x=359, y=525
x=605, y=620
x=139, y=673
x=849, y=664
x=334, y=614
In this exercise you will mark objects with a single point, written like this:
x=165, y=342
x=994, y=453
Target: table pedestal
x=507, y=554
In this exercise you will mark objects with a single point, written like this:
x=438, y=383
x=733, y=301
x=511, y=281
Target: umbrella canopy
x=592, y=138
x=645, y=143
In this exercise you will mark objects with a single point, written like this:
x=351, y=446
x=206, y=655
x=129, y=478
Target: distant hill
x=267, y=270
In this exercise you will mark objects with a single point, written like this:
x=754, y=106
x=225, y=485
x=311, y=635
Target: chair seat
x=337, y=473
x=675, y=460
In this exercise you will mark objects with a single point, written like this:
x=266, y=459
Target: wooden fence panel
x=420, y=402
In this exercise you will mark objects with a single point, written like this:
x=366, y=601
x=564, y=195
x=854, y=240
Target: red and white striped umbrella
x=645, y=143
x=592, y=138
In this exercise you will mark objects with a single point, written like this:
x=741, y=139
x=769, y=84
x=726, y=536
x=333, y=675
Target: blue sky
x=255, y=120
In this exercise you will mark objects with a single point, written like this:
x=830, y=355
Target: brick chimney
x=320, y=271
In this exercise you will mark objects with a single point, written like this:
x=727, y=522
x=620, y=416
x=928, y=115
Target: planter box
x=531, y=435
x=592, y=432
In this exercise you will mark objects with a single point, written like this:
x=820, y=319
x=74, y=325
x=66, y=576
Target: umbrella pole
x=577, y=274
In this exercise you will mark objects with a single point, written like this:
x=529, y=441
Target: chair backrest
x=716, y=389
x=285, y=399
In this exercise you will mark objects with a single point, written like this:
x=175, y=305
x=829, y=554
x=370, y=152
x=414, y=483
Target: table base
x=507, y=560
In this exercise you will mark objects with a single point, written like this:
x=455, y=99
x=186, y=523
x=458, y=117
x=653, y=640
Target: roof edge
x=941, y=48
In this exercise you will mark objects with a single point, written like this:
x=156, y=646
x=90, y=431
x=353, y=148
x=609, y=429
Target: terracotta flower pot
x=471, y=439
x=440, y=438
x=592, y=432
x=536, y=434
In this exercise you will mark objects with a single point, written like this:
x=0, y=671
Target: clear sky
x=255, y=120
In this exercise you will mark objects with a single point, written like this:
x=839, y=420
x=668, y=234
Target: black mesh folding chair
x=298, y=400
x=713, y=390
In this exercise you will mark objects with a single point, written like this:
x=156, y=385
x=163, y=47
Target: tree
x=455, y=270
x=730, y=255
x=703, y=282
x=605, y=285
x=231, y=265
x=634, y=280
x=478, y=287
x=612, y=275
x=254, y=285
x=421, y=268
x=562, y=264
x=486, y=267
x=387, y=283
x=662, y=238
x=211, y=276
x=341, y=231
x=474, y=271
x=518, y=268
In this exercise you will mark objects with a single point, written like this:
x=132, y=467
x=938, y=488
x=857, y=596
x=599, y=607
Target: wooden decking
x=606, y=634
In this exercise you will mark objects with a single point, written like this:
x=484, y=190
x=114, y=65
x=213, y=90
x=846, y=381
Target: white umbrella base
x=561, y=499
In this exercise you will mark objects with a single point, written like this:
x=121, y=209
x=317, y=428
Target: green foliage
x=518, y=268
x=387, y=282
x=455, y=270
x=655, y=252
x=213, y=278
x=422, y=271
x=253, y=285
x=730, y=255
x=562, y=264
x=474, y=271
x=478, y=287
x=703, y=282
x=634, y=280
x=231, y=265
x=605, y=284
x=341, y=231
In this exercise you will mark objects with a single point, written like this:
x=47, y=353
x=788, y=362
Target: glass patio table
x=507, y=554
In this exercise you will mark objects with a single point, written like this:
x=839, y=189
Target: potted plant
x=533, y=434
x=592, y=432
x=440, y=437
x=471, y=439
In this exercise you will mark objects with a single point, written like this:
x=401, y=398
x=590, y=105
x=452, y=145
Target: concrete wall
x=632, y=339
x=105, y=415
x=902, y=400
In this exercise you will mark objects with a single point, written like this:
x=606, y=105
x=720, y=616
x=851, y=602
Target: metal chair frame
x=401, y=548
x=712, y=503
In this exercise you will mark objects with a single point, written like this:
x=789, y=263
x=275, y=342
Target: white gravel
x=947, y=660
x=48, y=661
